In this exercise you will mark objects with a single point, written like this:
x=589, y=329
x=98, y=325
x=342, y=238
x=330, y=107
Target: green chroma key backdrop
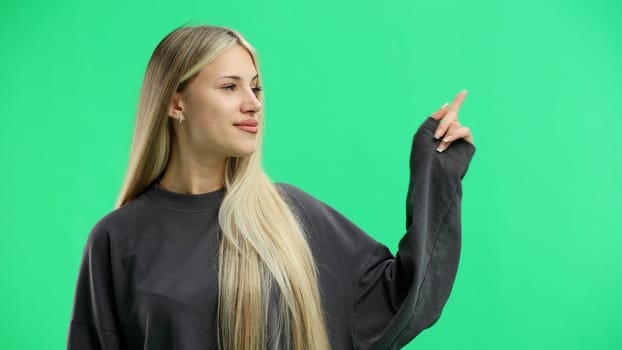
x=347, y=83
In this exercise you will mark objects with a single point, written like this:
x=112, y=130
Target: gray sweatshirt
x=148, y=275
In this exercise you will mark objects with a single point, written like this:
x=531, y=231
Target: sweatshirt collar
x=184, y=202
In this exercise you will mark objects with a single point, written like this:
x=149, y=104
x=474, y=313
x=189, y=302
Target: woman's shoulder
x=332, y=230
x=116, y=221
x=312, y=207
x=290, y=190
x=298, y=196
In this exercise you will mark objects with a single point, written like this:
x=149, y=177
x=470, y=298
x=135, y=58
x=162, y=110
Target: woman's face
x=225, y=92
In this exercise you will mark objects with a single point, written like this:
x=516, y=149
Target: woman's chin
x=244, y=152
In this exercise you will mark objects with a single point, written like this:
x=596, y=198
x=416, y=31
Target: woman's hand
x=449, y=128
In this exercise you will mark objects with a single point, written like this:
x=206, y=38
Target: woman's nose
x=253, y=103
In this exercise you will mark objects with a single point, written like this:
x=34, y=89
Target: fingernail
x=445, y=105
x=447, y=138
x=437, y=134
x=439, y=149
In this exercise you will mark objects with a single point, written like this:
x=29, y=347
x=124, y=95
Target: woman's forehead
x=235, y=63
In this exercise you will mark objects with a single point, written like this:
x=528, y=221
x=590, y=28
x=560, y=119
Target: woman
x=204, y=251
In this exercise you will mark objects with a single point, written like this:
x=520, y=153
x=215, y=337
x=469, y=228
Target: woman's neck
x=193, y=177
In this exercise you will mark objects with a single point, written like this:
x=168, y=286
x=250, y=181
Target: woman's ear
x=175, y=107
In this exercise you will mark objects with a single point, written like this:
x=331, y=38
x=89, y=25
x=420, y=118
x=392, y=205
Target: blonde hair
x=263, y=242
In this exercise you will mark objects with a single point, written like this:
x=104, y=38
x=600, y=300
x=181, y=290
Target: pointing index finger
x=457, y=102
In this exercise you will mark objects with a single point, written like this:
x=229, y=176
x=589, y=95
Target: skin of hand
x=449, y=127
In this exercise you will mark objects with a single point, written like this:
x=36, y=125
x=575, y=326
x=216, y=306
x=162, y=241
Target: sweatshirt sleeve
x=94, y=322
x=399, y=296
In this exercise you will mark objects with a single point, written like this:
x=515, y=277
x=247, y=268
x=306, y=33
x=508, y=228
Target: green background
x=346, y=85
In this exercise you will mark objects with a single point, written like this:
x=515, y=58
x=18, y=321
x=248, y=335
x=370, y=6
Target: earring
x=180, y=115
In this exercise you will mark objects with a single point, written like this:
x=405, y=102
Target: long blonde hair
x=263, y=242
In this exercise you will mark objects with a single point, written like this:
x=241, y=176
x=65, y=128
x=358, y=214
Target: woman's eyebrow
x=235, y=77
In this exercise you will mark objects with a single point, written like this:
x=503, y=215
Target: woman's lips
x=251, y=129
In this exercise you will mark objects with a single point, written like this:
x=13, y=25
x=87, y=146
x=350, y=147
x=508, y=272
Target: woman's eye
x=255, y=89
